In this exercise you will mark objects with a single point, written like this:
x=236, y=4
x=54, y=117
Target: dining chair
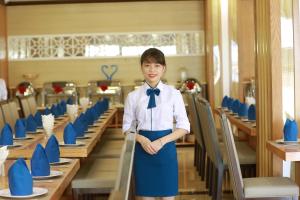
x=24, y=106
x=32, y=104
x=216, y=159
x=8, y=117
x=14, y=110
x=123, y=187
x=200, y=150
x=258, y=187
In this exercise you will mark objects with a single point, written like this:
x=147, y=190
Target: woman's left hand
x=157, y=145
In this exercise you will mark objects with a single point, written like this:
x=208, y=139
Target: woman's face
x=152, y=72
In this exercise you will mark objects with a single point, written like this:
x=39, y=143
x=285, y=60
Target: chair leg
x=202, y=159
x=195, y=154
x=220, y=173
x=75, y=194
x=207, y=173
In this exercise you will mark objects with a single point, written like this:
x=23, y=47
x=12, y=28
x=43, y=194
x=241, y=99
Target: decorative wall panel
x=94, y=45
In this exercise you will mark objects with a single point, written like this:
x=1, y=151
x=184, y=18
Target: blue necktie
x=151, y=92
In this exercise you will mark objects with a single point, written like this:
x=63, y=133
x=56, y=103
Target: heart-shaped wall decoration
x=109, y=71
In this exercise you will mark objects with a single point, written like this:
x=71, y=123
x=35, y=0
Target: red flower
x=190, y=85
x=103, y=87
x=22, y=89
x=57, y=89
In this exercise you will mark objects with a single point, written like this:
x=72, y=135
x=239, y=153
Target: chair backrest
x=209, y=131
x=232, y=157
x=14, y=110
x=32, y=104
x=122, y=185
x=195, y=121
x=7, y=114
x=25, y=106
x=2, y=121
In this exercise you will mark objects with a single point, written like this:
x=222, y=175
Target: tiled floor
x=190, y=185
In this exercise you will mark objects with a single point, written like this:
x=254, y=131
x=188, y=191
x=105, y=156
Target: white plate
x=62, y=161
x=37, y=191
x=15, y=144
x=83, y=137
x=23, y=138
x=53, y=174
x=281, y=141
x=36, y=132
x=93, y=126
x=78, y=144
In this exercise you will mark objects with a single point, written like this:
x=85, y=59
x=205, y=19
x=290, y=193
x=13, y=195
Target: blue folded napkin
x=89, y=116
x=64, y=105
x=6, y=137
x=20, y=129
x=47, y=111
x=19, y=179
x=229, y=103
x=54, y=111
x=84, y=121
x=39, y=162
x=60, y=109
x=52, y=149
x=224, y=102
x=243, y=110
x=94, y=113
x=70, y=101
x=70, y=134
x=290, y=130
x=235, y=106
x=79, y=127
x=252, y=112
x=38, y=119
x=106, y=103
x=31, y=125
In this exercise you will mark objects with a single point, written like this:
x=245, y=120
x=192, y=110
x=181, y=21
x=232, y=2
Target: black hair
x=153, y=55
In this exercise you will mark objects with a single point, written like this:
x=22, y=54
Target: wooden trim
x=268, y=73
x=296, y=35
x=209, y=53
x=43, y=2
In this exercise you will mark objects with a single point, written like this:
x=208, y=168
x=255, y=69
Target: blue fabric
x=39, y=162
x=52, y=149
x=235, y=106
x=252, y=112
x=6, y=137
x=290, y=130
x=60, y=110
x=156, y=175
x=70, y=134
x=225, y=102
x=152, y=92
x=47, y=111
x=19, y=179
x=31, y=125
x=243, y=110
x=20, y=129
x=70, y=101
x=79, y=127
x=230, y=103
x=38, y=119
x=64, y=106
x=84, y=121
x=94, y=113
x=54, y=111
x=89, y=116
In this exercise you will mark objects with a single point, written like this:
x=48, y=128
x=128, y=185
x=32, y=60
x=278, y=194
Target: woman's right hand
x=146, y=144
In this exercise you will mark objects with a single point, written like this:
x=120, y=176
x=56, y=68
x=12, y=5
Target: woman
x=150, y=110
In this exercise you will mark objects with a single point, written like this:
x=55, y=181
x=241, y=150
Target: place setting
x=21, y=182
x=70, y=137
x=32, y=126
x=6, y=137
x=20, y=131
x=290, y=133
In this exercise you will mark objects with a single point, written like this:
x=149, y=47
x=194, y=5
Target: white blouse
x=169, y=106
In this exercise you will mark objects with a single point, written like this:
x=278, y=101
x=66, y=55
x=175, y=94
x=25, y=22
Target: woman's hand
x=157, y=145
x=146, y=144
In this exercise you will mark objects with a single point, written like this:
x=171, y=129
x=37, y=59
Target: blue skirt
x=156, y=175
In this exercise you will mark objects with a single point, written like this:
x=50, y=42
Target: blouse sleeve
x=129, y=120
x=180, y=115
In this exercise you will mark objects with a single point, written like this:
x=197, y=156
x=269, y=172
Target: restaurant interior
x=67, y=66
